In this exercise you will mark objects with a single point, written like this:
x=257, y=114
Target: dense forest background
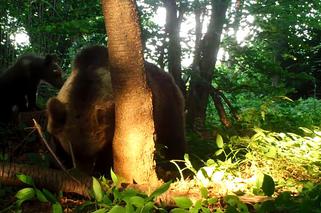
x=250, y=72
x=254, y=53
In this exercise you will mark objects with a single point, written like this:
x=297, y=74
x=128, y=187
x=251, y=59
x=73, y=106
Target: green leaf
x=178, y=210
x=198, y=204
x=57, y=208
x=40, y=196
x=242, y=207
x=271, y=153
x=204, y=192
x=306, y=130
x=130, y=208
x=49, y=196
x=98, y=193
x=163, y=188
x=137, y=201
x=117, y=209
x=268, y=185
x=218, y=152
x=219, y=141
x=114, y=177
x=102, y=210
x=25, y=194
x=183, y=202
x=259, y=180
x=231, y=200
x=210, y=162
x=25, y=179
x=148, y=207
x=212, y=200
x=267, y=206
x=186, y=157
x=106, y=200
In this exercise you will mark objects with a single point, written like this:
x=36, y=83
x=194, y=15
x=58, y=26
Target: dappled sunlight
x=290, y=159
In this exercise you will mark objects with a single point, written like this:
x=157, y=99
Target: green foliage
x=268, y=185
x=277, y=113
x=31, y=193
x=106, y=199
x=308, y=200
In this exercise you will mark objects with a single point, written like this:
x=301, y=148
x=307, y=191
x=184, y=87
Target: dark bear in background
x=83, y=112
x=18, y=85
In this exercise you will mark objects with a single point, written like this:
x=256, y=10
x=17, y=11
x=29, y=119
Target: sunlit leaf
x=272, y=153
x=186, y=157
x=178, y=210
x=219, y=141
x=306, y=130
x=163, y=188
x=25, y=194
x=114, y=177
x=212, y=200
x=137, y=201
x=183, y=202
x=117, y=209
x=218, y=152
x=148, y=207
x=57, y=208
x=130, y=208
x=102, y=210
x=198, y=204
x=204, y=192
x=25, y=179
x=210, y=162
x=98, y=193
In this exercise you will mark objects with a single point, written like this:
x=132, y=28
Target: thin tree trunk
x=202, y=79
x=174, y=47
x=133, y=144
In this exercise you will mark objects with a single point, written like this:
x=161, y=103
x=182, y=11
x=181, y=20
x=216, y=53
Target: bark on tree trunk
x=201, y=79
x=133, y=145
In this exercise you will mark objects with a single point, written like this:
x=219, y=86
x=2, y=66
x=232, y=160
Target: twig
x=53, y=154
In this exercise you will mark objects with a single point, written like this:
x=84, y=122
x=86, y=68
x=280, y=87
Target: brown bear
x=83, y=112
x=18, y=85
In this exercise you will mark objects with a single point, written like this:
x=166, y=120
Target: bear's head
x=52, y=72
x=82, y=114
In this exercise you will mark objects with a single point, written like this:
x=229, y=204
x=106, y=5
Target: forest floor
x=261, y=171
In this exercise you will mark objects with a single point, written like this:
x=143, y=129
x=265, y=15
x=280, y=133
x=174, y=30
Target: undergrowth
x=280, y=168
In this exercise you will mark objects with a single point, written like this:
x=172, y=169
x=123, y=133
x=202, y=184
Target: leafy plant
x=30, y=193
x=116, y=200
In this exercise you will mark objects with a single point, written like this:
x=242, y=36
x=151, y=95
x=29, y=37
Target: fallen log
x=58, y=181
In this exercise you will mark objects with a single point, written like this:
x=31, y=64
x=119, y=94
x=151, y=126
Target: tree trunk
x=174, y=47
x=201, y=79
x=133, y=145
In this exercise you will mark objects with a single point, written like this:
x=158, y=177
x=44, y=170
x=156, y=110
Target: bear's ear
x=57, y=114
x=100, y=115
x=105, y=113
x=49, y=59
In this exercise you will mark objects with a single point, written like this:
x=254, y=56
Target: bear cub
x=19, y=84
